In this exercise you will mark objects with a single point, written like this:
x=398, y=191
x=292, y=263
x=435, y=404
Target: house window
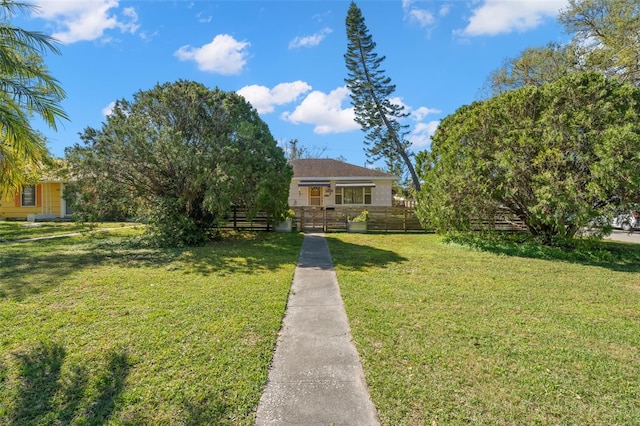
x=29, y=196
x=354, y=195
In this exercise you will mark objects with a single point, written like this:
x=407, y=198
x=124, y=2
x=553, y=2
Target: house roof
x=329, y=168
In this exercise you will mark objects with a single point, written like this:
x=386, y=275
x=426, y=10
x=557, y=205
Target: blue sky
x=285, y=57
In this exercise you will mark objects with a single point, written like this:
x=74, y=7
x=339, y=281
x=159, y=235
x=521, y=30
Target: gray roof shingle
x=329, y=168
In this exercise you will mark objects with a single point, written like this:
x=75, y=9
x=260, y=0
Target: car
x=626, y=220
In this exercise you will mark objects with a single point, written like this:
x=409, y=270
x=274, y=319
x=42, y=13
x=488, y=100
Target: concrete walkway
x=625, y=236
x=316, y=377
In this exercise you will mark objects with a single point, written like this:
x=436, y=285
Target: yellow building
x=43, y=201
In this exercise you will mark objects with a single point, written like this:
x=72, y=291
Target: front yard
x=95, y=330
x=450, y=335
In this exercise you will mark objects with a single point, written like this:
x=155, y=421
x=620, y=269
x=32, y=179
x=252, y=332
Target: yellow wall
x=49, y=201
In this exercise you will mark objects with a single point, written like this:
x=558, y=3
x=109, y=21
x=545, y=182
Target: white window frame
x=366, y=196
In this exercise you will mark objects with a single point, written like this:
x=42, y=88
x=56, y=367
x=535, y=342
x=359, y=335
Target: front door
x=315, y=195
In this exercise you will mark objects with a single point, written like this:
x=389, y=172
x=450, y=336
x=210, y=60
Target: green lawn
x=97, y=330
x=499, y=336
x=12, y=231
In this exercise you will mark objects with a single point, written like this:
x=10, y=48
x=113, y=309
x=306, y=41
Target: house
x=329, y=183
x=43, y=201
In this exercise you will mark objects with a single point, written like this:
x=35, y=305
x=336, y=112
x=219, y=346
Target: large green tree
x=605, y=39
x=606, y=32
x=558, y=156
x=182, y=155
x=533, y=67
x=26, y=89
x=371, y=94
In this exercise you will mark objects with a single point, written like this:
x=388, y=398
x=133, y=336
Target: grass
x=12, y=231
x=497, y=333
x=97, y=330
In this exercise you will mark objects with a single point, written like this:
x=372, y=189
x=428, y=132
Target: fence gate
x=335, y=218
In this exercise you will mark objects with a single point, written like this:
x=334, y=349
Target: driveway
x=624, y=236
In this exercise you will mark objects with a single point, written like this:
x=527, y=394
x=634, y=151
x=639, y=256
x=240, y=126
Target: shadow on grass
x=34, y=267
x=244, y=253
x=617, y=256
x=359, y=257
x=212, y=410
x=42, y=394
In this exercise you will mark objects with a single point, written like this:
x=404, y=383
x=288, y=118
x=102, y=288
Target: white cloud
x=421, y=113
x=106, y=111
x=224, y=55
x=424, y=18
x=398, y=101
x=86, y=20
x=444, y=10
x=421, y=135
x=418, y=114
x=310, y=41
x=204, y=18
x=325, y=112
x=264, y=99
x=130, y=12
x=499, y=16
x=147, y=37
x=320, y=17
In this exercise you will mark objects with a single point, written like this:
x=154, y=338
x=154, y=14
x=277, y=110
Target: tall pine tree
x=370, y=95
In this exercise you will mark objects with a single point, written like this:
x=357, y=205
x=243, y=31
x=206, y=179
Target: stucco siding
x=381, y=194
x=297, y=196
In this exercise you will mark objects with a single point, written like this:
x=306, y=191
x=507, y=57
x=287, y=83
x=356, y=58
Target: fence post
x=300, y=215
x=235, y=218
x=404, y=220
x=324, y=219
x=386, y=223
